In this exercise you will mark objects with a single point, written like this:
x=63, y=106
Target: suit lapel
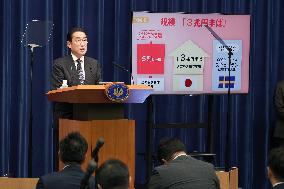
x=88, y=70
x=72, y=70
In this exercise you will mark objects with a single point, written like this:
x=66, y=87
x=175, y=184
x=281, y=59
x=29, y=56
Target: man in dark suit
x=76, y=69
x=113, y=174
x=278, y=134
x=66, y=68
x=72, y=152
x=275, y=169
x=179, y=170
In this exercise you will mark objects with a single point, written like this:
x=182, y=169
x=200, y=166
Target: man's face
x=78, y=45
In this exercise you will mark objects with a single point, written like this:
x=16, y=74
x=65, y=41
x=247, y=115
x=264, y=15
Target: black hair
x=167, y=147
x=276, y=162
x=113, y=174
x=73, y=148
x=73, y=30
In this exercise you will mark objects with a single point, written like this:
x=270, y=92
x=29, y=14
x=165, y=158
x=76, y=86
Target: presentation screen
x=178, y=53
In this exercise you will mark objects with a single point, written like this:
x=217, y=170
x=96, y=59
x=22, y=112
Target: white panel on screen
x=157, y=84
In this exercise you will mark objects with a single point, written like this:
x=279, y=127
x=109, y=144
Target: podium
x=97, y=116
x=18, y=183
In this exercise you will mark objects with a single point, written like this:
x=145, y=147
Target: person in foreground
x=76, y=69
x=72, y=152
x=113, y=174
x=179, y=170
x=278, y=134
x=275, y=169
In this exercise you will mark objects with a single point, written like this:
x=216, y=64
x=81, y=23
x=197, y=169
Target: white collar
x=180, y=154
x=277, y=183
x=67, y=165
x=75, y=58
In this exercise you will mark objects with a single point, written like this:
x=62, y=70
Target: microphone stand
x=122, y=68
x=30, y=147
x=92, y=166
x=228, y=141
x=37, y=34
x=95, y=155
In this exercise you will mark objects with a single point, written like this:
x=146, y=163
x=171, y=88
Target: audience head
x=276, y=165
x=113, y=174
x=73, y=148
x=168, y=147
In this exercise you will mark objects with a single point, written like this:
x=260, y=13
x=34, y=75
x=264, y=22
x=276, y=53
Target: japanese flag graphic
x=188, y=82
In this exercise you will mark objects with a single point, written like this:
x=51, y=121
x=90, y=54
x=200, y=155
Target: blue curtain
x=109, y=27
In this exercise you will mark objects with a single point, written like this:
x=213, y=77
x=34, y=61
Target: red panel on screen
x=150, y=58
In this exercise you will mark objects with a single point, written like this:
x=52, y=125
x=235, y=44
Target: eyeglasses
x=80, y=40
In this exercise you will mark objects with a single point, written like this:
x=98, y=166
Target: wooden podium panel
x=228, y=180
x=101, y=117
x=18, y=183
x=84, y=128
x=119, y=137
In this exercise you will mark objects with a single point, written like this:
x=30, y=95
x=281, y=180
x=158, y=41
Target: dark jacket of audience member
x=72, y=152
x=180, y=170
x=113, y=174
x=278, y=134
x=275, y=169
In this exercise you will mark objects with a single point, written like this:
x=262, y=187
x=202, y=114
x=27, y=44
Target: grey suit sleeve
x=155, y=180
x=279, y=99
x=57, y=75
x=216, y=180
x=98, y=73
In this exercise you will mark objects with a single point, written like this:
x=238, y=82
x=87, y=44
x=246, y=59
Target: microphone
x=120, y=67
x=95, y=152
x=90, y=170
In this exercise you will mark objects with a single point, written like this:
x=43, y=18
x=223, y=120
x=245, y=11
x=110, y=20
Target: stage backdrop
x=109, y=33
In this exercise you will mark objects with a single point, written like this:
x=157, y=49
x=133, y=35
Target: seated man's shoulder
x=53, y=175
x=60, y=180
x=192, y=163
x=204, y=164
x=156, y=170
x=62, y=59
x=280, y=83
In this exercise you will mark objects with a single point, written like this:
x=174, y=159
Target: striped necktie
x=80, y=72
